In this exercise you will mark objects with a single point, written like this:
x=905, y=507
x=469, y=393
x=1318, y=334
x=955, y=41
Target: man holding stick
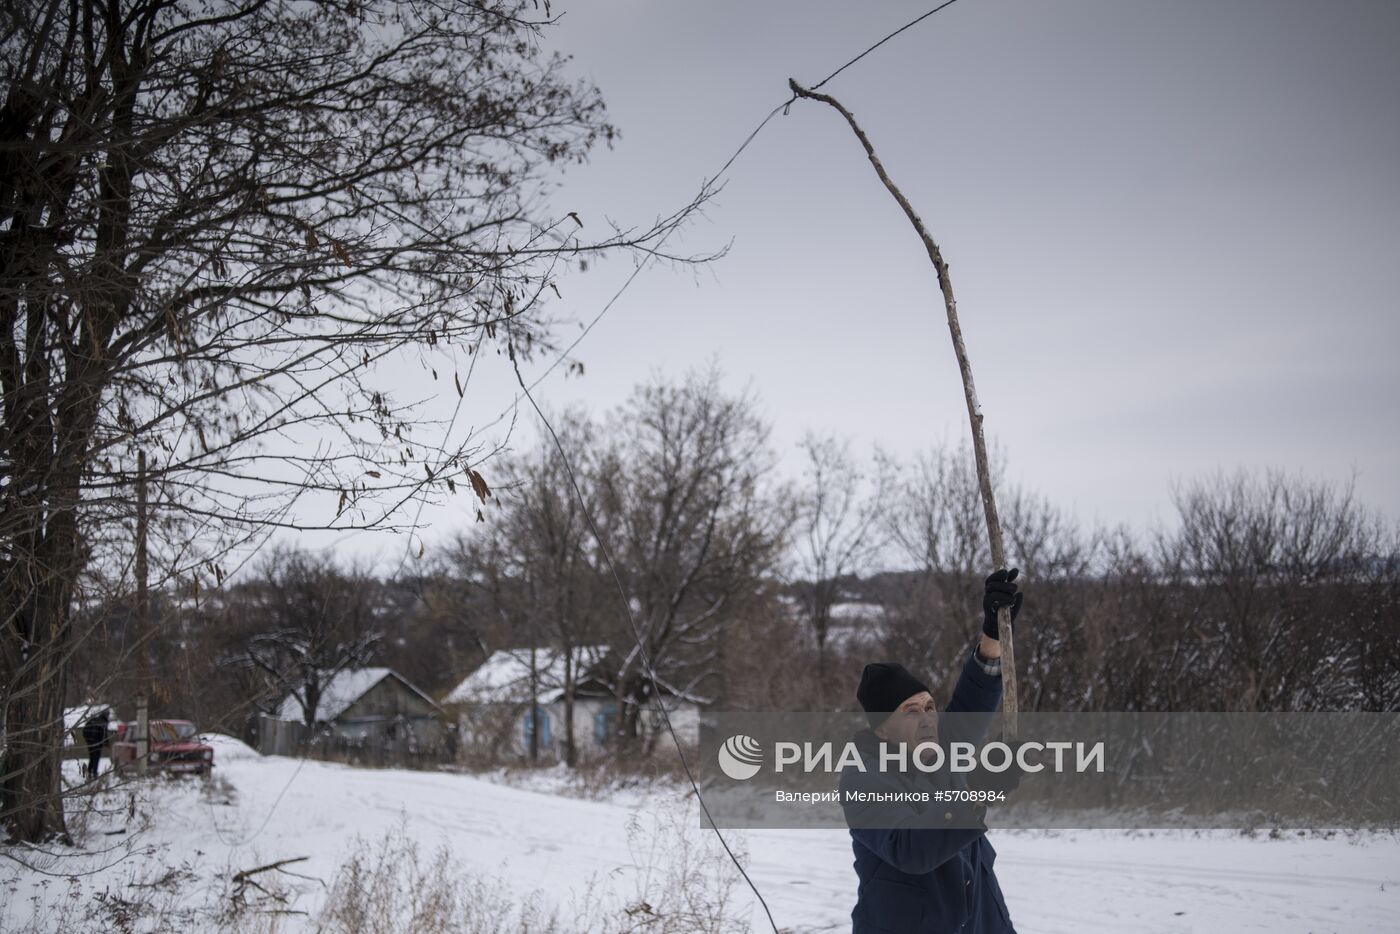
x=916, y=878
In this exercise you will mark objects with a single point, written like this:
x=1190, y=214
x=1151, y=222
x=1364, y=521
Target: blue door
x=605, y=724
x=531, y=718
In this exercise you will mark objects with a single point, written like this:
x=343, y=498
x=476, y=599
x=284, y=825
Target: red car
x=174, y=747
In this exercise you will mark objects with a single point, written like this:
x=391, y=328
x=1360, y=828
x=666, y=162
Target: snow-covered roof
x=346, y=687
x=856, y=610
x=504, y=678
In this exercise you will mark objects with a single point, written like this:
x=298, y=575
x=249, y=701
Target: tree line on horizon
x=1270, y=592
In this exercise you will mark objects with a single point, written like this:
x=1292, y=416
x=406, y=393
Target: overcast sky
x=1173, y=229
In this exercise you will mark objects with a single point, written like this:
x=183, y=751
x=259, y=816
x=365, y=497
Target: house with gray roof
x=373, y=712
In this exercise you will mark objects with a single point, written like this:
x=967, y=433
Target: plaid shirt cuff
x=991, y=666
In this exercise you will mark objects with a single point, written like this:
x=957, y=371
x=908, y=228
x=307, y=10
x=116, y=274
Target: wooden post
x=143, y=622
x=1010, y=702
x=143, y=596
x=143, y=735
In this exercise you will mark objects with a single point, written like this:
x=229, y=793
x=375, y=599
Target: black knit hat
x=883, y=687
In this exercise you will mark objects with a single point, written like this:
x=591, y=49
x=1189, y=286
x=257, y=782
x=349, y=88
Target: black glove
x=1001, y=591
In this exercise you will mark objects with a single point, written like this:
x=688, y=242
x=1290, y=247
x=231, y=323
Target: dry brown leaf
x=479, y=486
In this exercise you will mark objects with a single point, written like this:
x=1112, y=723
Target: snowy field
x=166, y=857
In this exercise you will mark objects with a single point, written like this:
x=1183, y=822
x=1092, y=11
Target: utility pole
x=143, y=620
x=143, y=597
x=143, y=735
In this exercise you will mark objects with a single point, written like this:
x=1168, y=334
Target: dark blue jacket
x=915, y=880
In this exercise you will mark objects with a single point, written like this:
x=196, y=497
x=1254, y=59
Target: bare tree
x=1270, y=592
x=440, y=630
x=567, y=577
x=683, y=504
x=1286, y=574
x=936, y=523
x=218, y=220
x=313, y=621
x=1062, y=563
x=540, y=534
x=498, y=570
x=840, y=526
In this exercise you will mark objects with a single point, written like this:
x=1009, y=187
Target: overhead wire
x=909, y=25
x=526, y=390
x=658, y=706
x=706, y=188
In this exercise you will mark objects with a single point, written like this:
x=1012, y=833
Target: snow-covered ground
x=180, y=843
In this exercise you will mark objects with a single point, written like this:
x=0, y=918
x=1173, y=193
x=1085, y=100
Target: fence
x=280, y=737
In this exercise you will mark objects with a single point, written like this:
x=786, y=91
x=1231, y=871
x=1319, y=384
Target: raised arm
x=978, y=690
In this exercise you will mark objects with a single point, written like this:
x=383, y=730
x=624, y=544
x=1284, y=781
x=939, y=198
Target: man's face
x=916, y=721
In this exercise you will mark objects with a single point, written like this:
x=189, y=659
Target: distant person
x=920, y=879
x=95, y=735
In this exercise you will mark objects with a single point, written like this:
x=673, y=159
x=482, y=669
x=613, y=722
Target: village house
x=374, y=712
x=492, y=704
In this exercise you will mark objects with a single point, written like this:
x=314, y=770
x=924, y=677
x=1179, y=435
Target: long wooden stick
x=1010, y=701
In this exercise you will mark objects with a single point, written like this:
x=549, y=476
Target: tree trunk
x=311, y=694
x=32, y=800
x=822, y=599
x=627, y=713
x=32, y=803
x=570, y=677
x=534, y=714
x=37, y=653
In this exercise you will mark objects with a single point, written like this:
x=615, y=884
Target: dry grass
x=392, y=886
x=679, y=883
